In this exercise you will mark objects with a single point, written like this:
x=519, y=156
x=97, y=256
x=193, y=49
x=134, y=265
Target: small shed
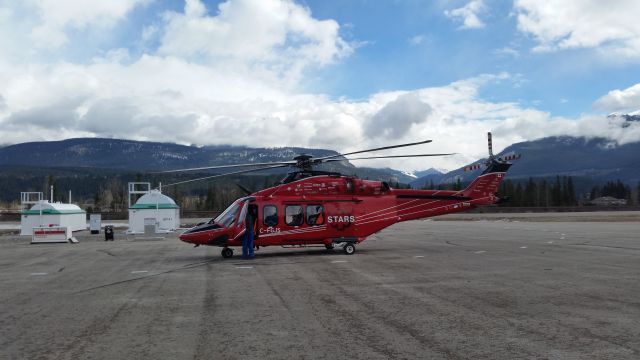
x=153, y=212
x=45, y=213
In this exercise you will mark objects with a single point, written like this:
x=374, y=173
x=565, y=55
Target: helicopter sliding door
x=340, y=219
x=268, y=224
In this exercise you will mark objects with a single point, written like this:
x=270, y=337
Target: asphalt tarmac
x=421, y=289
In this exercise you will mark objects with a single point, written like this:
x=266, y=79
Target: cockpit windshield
x=228, y=216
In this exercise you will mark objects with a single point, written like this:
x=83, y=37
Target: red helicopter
x=327, y=209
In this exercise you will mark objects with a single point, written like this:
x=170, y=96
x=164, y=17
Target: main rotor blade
x=226, y=174
x=322, y=159
x=226, y=166
x=389, y=156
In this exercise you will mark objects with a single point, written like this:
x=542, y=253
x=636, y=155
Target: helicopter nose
x=186, y=238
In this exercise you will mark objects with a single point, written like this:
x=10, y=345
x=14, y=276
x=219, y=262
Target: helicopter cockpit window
x=270, y=215
x=315, y=215
x=229, y=215
x=294, y=215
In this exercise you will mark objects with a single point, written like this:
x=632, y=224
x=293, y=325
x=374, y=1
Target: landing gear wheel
x=227, y=253
x=328, y=246
x=349, y=249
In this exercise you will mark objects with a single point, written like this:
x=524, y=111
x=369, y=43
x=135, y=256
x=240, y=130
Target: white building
x=45, y=213
x=154, y=212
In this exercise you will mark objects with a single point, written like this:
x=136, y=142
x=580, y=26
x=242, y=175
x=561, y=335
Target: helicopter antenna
x=490, y=145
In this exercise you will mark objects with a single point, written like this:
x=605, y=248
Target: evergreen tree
x=458, y=185
x=530, y=193
x=543, y=194
x=571, y=192
x=517, y=195
x=556, y=193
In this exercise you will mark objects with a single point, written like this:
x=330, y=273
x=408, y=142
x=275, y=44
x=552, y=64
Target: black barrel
x=108, y=233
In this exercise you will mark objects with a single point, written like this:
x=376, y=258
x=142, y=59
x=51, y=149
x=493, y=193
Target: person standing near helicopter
x=249, y=233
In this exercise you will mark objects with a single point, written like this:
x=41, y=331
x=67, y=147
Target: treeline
x=545, y=192
x=108, y=192
x=458, y=185
x=616, y=189
x=210, y=195
x=540, y=192
x=562, y=192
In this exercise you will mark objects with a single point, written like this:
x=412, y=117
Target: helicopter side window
x=270, y=215
x=315, y=215
x=293, y=215
x=349, y=186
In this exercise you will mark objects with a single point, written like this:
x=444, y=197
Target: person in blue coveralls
x=247, y=240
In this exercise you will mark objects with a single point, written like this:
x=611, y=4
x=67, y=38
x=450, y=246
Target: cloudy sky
x=344, y=75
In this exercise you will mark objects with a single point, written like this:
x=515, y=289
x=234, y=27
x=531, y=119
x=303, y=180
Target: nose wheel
x=349, y=249
x=227, y=253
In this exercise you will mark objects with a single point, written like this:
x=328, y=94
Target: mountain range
x=596, y=159
x=142, y=156
x=593, y=161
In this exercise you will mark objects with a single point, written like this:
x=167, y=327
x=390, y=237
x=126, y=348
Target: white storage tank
x=45, y=213
x=154, y=212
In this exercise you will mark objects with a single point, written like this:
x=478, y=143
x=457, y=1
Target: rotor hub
x=303, y=161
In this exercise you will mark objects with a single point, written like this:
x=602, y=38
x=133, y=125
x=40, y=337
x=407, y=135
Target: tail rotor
x=493, y=160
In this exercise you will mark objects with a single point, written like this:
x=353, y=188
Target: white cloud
x=468, y=14
x=57, y=16
x=169, y=99
x=149, y=32
x=278, y=35
x=396, y=117
x=507, y=51
x=617, y=100
x=416, y=40
x=611, y=26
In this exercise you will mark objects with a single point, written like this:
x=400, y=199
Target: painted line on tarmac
x=549, y=242
x=418, y=256
x=244, y=267
x=140, y=271
x=338, y=261
x=480, y=252
x=523, y=247
x=38, y=274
